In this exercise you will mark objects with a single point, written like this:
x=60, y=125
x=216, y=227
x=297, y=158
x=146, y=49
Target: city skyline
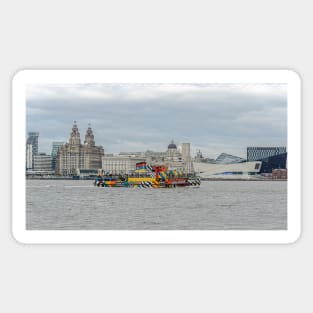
x=214, y=118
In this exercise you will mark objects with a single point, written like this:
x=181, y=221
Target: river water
x=215, y=205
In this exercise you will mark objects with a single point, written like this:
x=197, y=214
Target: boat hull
x=148, y=182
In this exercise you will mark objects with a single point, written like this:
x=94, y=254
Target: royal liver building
x=74, y=156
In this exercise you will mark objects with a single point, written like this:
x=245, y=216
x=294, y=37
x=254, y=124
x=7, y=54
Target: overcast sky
x=214, y=118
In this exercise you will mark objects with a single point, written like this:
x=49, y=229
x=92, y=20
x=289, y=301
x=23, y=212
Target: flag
x=141, y=166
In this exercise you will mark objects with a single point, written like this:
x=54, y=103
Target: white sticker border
x=24, y=77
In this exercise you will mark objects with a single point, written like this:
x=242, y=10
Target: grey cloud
x=147, y=116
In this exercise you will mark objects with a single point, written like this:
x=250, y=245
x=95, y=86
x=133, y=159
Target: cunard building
x=73, y=156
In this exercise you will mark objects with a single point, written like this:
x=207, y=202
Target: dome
x=172, y=145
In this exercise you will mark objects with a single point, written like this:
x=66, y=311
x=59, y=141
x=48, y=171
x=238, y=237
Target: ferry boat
x=146, y=176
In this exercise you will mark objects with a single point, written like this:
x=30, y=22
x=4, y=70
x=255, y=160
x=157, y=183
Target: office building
x=29, y=156
x=74, y=156
x=56, y=145
x=186, y=158
x=274, y=162
x=172, y=153
x=120, y=164
x=271, y=157
x=33, y=140
x=259, y=153
x=31, y=143
x=125, y=162
x=185, y=150
x=42, y=162
x=173, y=158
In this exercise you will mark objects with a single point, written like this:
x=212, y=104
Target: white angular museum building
x=244, y=170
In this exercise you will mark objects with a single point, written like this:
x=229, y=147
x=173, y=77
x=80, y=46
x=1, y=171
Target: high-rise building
x=271, y=157
x=185, y=150
x=29, y=156
x=32, y=142
x=259, y=153
x=56, y=145
x=74, y=156
x=186, y=156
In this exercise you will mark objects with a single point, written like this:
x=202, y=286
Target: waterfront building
x=56, y=145
x=271, y=157
x=120, y=164
x=244, y=170
x=31, y=142
x=225, y=158
x=185, y=150
x=186, y=157
x=42, y=162
x=74, y=156
x=29, y=156
x=125, y=162
x=172, y=153
x=274, y=162
x=259, y=153
x=173, y=158
x=279, y=174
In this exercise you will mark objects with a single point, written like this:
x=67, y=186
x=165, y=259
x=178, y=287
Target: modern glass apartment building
x=259, y=153
x=33, y=140
x=31, y=149
x=56, y=145
x=271, y=157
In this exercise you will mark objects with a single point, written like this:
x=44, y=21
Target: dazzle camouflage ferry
x=146, y=176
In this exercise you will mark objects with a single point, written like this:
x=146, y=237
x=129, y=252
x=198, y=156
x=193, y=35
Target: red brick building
x=279, y=174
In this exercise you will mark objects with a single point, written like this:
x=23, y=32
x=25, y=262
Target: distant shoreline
x=202, y=179
x=242, y=179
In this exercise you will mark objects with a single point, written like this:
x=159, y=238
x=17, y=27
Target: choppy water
x=254, y=205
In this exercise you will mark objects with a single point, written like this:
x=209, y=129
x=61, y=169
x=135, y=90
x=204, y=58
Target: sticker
x=156, y=156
